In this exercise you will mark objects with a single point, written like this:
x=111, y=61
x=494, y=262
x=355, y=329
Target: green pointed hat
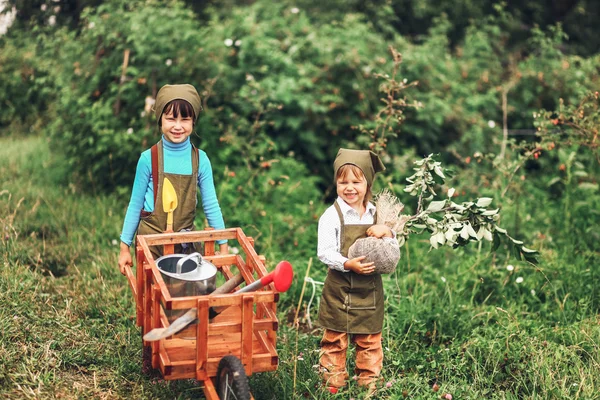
x=168, y=93
x=366, y=160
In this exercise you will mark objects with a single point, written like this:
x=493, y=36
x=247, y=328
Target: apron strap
x=154, y=154
x=342, y=225
x=195, y=163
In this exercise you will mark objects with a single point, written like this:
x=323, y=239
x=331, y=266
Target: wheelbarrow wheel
x=232, y=382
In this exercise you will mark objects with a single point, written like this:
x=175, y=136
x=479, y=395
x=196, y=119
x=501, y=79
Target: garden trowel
x=169, y=201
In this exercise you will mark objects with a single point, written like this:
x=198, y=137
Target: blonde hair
x=343, y=172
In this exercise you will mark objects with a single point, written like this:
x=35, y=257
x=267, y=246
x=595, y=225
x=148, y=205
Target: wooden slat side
x=147, y=298
x=221, y=300
x=168, y=249
x=244, y=269
x=155, y=323
x=209, y=390
x=247, y=331
x=261, y=363
x=236, y=327
x=164, y=360
x=273, y=333
x=226, y=271
x=146, y=250
x=252, y=258
x=221, y=259
x=139, y=300
x=139, y=272
x=192, y=236
x=209, y=245
x=202, y=338
x=158, y=280
x=269, y=346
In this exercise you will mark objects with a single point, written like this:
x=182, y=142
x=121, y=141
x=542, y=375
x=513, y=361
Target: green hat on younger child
x=168, y=93
x=366, y=160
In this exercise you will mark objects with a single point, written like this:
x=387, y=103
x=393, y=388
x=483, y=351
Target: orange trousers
x=369, y=357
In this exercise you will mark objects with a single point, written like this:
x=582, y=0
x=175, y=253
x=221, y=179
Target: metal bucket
x=186, y=275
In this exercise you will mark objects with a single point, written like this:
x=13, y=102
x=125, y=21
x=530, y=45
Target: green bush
x=26, y=89
x=461, y=88
x=102, y=122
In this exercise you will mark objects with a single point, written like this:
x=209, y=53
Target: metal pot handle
x=188, y=257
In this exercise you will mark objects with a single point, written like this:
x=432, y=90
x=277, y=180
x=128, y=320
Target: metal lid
x=195, y=271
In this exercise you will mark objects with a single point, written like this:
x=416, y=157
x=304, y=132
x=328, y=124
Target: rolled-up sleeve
x=328, y=247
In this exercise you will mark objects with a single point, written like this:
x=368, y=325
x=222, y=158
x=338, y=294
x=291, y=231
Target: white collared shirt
x=328, y=247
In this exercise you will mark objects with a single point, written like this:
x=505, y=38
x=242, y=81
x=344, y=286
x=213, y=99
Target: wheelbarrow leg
x=147, y=360
x=210, y=392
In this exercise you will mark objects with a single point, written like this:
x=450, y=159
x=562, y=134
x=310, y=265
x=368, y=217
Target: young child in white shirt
x=352, y=299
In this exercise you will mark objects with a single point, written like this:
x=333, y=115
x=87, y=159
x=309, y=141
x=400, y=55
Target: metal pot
x=186, y=275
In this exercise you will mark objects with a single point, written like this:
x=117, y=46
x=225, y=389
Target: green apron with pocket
x=351, y=302
x=187, y=200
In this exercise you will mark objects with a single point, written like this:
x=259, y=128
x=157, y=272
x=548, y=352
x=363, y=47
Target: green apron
x=187, y=200
x=351, y=302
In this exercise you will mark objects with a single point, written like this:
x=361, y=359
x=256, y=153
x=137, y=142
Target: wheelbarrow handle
x=132, y=280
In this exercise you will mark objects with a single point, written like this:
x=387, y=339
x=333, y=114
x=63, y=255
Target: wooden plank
x=266, y=343
x=226, y=271
x=244, y=269
x=236, y=327
x=209, y=390
x=252, y=258
x=155, y=323
x=192, y=236
x=261, y=363
x=164, y=320
x=147, y=298
x=260, y=311
x=273, y=332
x=209, y=245
x=164, y=366
x=180, y=350
x=202, y=338
x=220, y=300
x=220, y=260
x=132, y=280
x=247, y=331
x=146, y=250
x=139, y=268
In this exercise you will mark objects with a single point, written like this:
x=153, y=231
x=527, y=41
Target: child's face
x=352, y=188
x=176, y=129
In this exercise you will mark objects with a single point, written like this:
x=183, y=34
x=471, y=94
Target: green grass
x=458, y=318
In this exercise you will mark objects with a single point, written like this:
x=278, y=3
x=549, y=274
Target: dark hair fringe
x=179, y=106
x=343, y=170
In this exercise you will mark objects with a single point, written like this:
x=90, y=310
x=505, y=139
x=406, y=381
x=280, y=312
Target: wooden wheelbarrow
x=225, y=350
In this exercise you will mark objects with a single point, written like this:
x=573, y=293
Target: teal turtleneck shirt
x=177, y=160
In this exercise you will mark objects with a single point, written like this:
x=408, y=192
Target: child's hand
x=124, y=258
x=379, y=231
x=223, y=249
x=356, y=266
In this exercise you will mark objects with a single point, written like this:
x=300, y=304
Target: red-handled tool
x=281, y=277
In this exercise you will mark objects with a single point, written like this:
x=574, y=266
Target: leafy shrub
x=26, y=88
x=103, y=122
x=461, y=88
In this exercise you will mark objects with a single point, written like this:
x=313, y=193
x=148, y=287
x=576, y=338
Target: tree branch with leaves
x=448, y=223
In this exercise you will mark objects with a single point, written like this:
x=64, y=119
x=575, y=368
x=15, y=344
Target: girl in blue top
x=173, y=157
